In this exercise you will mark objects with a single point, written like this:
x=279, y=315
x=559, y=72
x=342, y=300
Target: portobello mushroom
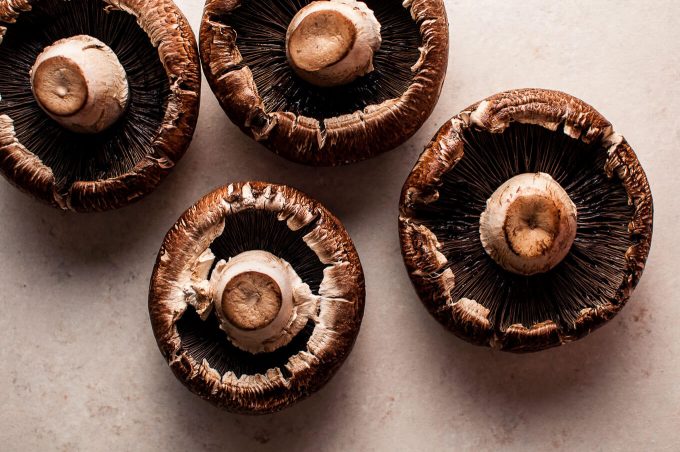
x=526, y=222
x=326, y=82
x=98, y=98
x=256, y=297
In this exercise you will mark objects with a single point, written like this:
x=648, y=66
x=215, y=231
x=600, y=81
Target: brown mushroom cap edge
x=171, y=34
x=427, y=266
x=342, y=294
x=337, y=140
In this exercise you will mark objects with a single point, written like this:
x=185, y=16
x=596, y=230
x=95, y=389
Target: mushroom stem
x=529, y=224
x=80, y=83
x=260, y=301
x=332, y=43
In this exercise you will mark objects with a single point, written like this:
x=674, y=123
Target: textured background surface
x=81, y=371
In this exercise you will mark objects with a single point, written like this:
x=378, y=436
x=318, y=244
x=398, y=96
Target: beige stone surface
x=80, y=369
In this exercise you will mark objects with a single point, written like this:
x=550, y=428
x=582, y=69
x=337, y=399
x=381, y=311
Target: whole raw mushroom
x=326, y=82
x=98, y=98
x=526, y=222
x=257, y=297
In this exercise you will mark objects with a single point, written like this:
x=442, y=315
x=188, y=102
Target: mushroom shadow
x=299, y=427
x=534, y=384
x=85, y=239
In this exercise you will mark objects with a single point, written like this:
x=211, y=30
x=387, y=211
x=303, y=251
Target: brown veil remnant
x=320, y=99
x=526, y=222
x=98, y=98
x=256, y=297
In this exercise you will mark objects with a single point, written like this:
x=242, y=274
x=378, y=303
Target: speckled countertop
x=81, y=371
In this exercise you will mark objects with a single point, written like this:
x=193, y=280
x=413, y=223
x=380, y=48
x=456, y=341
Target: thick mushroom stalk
x=529, y=224
x=80, y=83
x=259, y=299
x=332, y=43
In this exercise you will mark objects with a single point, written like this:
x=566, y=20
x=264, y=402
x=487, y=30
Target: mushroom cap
x=444, y=264
x=350, y=134
x=315, y=354
x=169, y=32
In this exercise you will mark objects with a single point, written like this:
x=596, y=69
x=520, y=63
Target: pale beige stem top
x=259, y=299
x=80, y=83
x=332, y=43
x=529, y=224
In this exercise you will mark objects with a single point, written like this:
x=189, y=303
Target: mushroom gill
x=245, y=231
x=77, y=156
x=261, y=27
x=591, y=272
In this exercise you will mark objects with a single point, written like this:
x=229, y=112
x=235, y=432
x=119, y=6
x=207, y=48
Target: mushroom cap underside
x=95, y=172
x=244, y=59
x=283, y=221
x=514, y=132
